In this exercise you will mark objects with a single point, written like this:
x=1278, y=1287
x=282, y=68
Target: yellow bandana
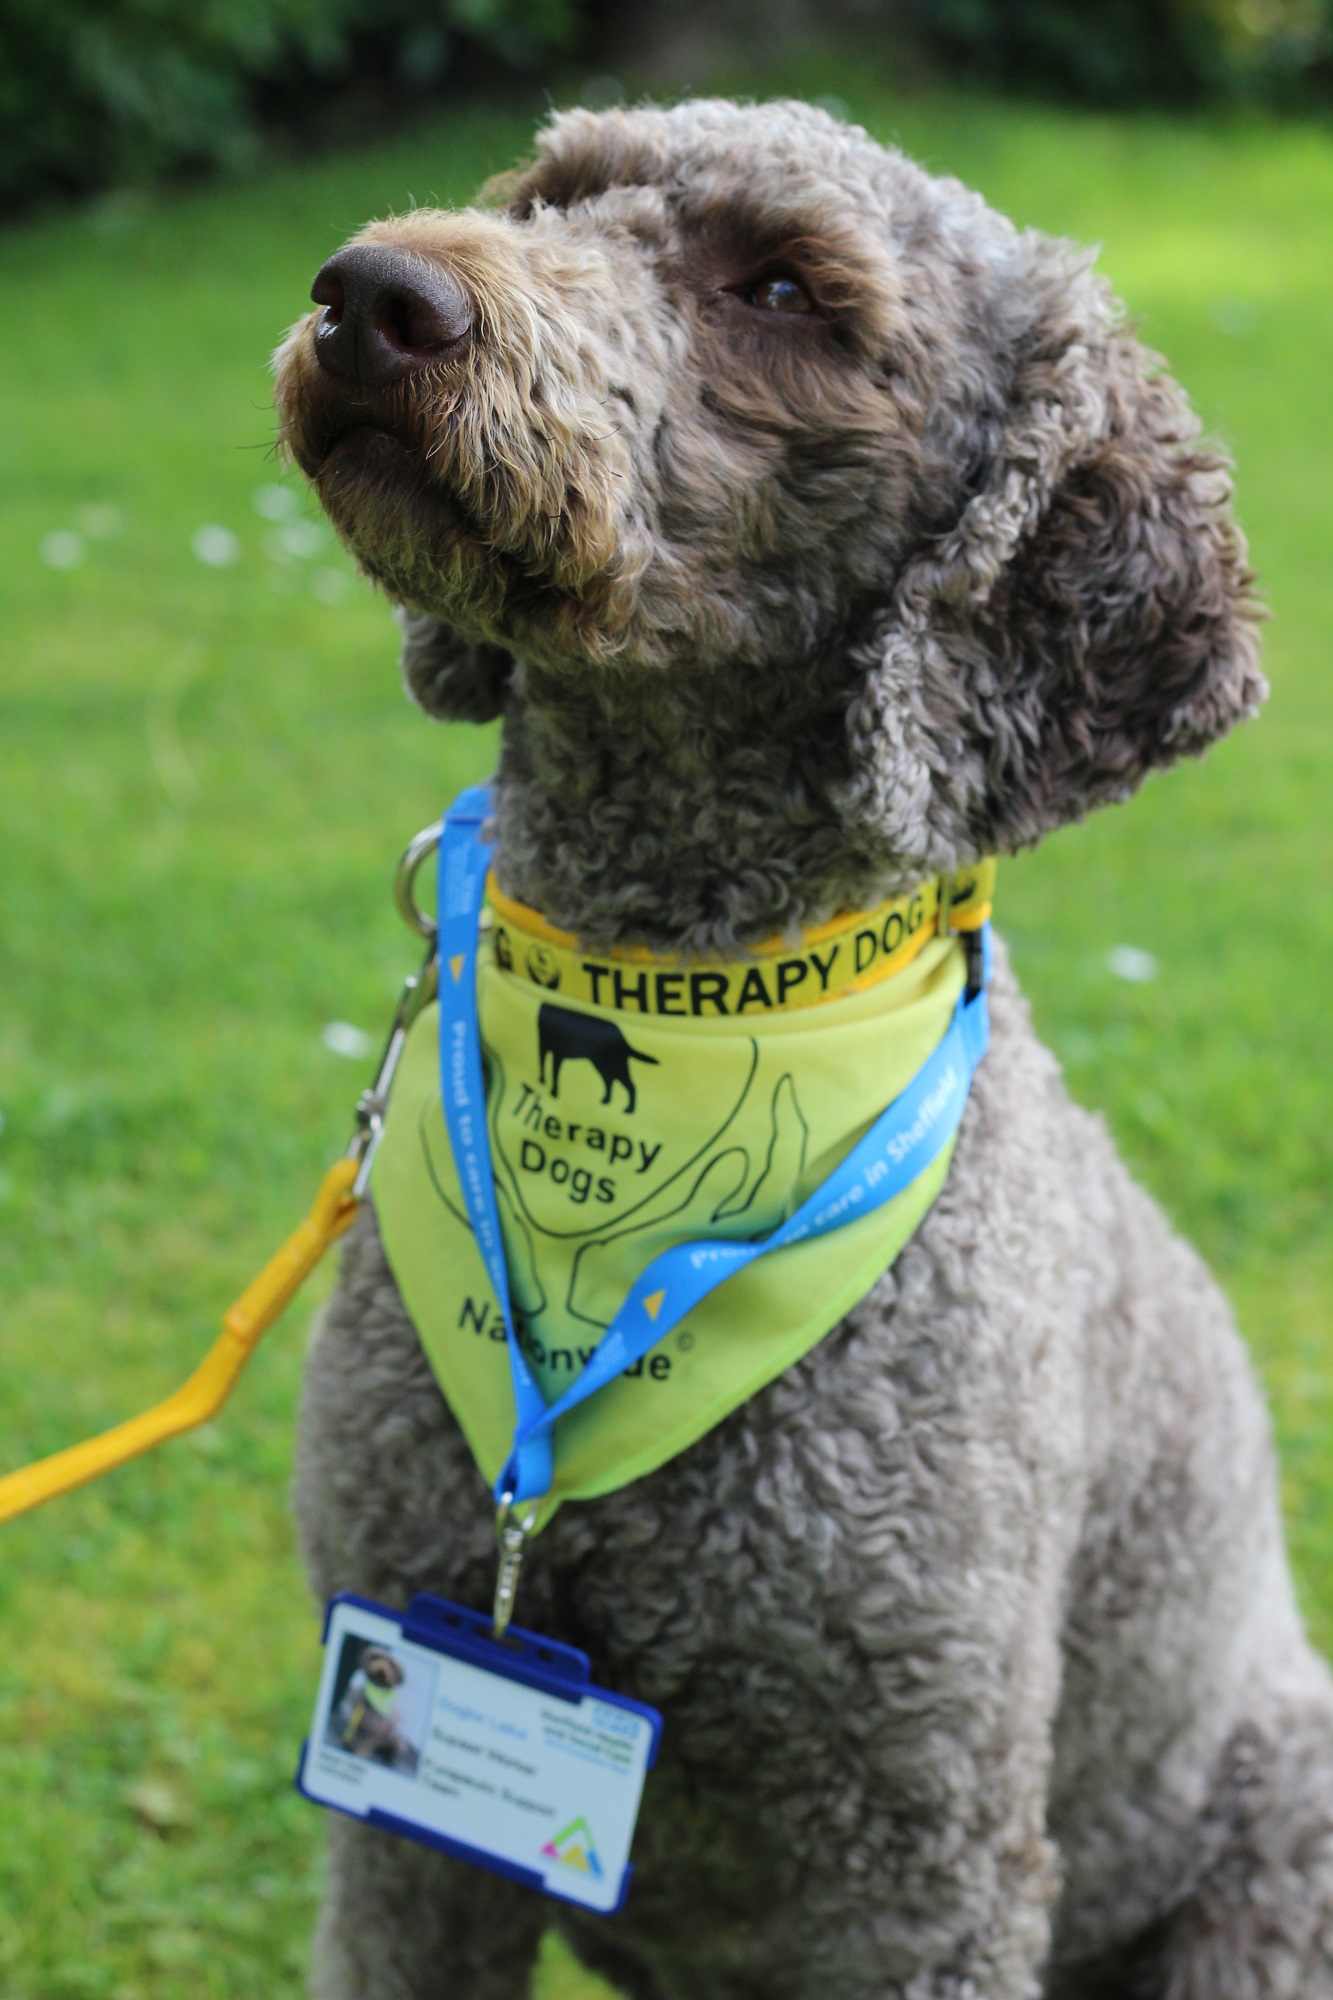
x=671, y=1111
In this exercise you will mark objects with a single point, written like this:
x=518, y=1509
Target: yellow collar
x=846, y=955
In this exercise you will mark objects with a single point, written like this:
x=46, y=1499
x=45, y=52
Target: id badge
x=500, y=1752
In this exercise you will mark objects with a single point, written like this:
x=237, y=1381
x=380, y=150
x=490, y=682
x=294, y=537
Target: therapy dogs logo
x=565, y=1036
x=603, y=1150
x=575, y=1848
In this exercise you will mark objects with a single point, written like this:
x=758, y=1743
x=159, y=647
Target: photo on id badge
x=381, y=1705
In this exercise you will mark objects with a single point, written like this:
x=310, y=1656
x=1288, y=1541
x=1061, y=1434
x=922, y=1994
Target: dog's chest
x=809, y=1565
x=805, y=1614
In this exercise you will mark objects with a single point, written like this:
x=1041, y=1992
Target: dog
x=565, y=1036
x=813, y=531
x=366, y=1721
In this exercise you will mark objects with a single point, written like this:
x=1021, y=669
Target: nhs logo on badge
x=614, y=1720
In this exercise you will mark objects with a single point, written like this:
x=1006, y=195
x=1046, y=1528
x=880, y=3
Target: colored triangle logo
x=652, y=1305
x=456, y=966
x=574, y=1848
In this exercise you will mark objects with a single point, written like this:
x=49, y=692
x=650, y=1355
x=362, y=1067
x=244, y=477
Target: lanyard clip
x=511, y=1536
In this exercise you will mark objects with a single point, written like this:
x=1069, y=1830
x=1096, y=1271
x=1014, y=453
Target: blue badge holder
x=548, y=1671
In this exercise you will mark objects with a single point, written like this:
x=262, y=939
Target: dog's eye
x=779, y=292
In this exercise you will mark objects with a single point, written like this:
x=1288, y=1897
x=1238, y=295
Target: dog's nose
x=386, y=313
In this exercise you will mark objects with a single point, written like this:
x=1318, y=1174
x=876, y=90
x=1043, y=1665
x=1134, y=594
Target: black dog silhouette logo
x=565, y=1036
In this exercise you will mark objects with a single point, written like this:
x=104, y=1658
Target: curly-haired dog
x=366, y=1721
x=813, y=531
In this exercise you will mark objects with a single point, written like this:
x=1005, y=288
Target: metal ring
x=404, y=882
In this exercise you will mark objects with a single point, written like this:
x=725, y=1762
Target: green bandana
x=615, y=1135
x=382, y=1700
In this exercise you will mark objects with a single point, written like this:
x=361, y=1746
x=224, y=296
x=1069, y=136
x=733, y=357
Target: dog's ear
x=449, y=676
x=1090, y=617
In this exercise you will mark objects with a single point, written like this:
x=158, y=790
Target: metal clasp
x=418, y=849
x=419, y=989
x=511, y=1536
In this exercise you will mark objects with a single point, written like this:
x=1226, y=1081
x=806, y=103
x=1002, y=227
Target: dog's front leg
x=959, y=1897
x=402, y=1923
x=889, y=1844
x=390, y=1503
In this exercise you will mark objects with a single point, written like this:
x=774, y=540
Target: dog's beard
x=369, y=458
x=429, y=494
x=410, y=533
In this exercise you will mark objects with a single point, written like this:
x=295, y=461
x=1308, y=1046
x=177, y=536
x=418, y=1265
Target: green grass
x=205, y=778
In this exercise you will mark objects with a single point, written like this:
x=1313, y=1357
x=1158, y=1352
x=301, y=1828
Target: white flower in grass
x=301, y=539
x=275, y=503
x=330, y=586
x=62, y=549
x=100, y=521
x=216, y=546
x=1126, y=961
x=1237, y=317
x=345, y=1040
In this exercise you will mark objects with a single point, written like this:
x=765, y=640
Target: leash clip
x=511, y=1536
x=419, y=989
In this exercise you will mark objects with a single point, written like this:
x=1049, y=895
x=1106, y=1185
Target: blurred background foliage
x=98, y=93
x=94, y=93
x=1143, y=51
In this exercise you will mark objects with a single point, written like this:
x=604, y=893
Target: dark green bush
x=94, y=92
x=1137, y=51
x=99, y=92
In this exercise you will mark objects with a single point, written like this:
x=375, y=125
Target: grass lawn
x=206, y=774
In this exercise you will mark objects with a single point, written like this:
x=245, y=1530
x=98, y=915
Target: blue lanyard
x=899, y=1146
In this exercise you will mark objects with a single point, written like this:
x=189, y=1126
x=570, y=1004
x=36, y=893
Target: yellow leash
x=281, y=1278
x=217, y=1374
